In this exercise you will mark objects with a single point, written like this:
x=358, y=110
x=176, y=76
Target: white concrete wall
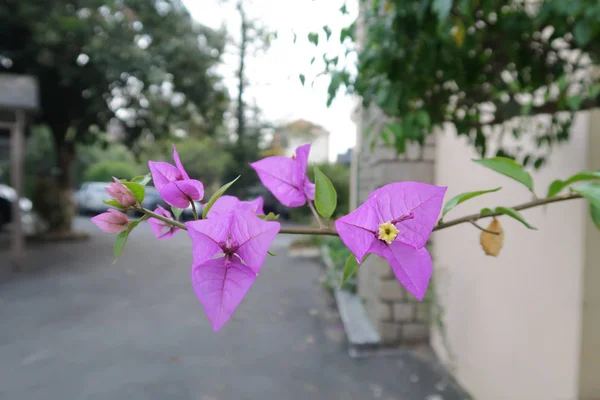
x=319, y=151
x=513, y=323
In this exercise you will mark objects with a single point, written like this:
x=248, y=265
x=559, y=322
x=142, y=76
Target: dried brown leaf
x=492, y=244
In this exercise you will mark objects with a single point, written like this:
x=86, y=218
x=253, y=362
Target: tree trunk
x=53, y=198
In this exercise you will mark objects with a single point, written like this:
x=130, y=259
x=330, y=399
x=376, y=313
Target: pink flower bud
x=121, y=193
x=112, y=221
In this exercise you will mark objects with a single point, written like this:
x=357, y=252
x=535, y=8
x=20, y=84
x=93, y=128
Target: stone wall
x=396, y=314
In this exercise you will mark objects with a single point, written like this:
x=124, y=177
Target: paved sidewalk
x=79, y=327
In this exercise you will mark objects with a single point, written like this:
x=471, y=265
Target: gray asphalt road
x=79, y=327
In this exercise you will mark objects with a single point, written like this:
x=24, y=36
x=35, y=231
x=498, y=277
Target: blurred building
x=288, y=137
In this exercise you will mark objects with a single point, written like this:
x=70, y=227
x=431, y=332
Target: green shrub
x=103, y=171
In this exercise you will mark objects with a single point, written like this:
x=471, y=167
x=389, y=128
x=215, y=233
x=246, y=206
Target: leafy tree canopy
x=475, y=64
x=144, y=61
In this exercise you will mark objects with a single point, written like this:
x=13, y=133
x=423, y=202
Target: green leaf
x=557, y=186
x=508, y=167
x=176, y=212
x=595, y=214
x=590, y=191
x=325, y=194
x=574, y=102
x=442, y=8
x=122, y=237
x=120, y=241
x=138, y=190
x=351, y=267
x=142, y=179
x=269, y=217
x=582, y=32
x=113, y=203
x=456, y=200
x=485, y=211
x=216, y=196
x=302, y=79
x=511, y=212
x=313, y=38
x=271, y=254
x=327, y=31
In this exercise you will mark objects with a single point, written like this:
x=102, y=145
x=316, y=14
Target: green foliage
x=456, y=200
x=122, y=237
x=511, y=212
x=475, y=65
x=339, y=254
x=557, y=186
x=113, y=203
x=595, y=215
x=591, y=191
x=510, y=168
x=351, y=268
x=104, y=171
x=216, y=196
x=339, y=175
x=137, y=190
x=325, y=194
x=88, y=54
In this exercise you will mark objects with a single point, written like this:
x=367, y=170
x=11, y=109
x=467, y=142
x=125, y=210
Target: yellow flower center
x=388, y=232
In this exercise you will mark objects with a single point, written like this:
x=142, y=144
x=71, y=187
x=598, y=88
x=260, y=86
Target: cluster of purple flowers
x=230, y=245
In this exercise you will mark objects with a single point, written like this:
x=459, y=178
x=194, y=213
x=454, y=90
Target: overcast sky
x=273, y=76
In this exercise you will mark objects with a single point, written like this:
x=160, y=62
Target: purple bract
x=395, y=223
x=286, y=177
x=240, y=241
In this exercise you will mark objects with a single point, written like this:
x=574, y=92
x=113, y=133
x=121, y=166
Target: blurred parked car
x=91, y=197
x=29, y=219
x=188, y=214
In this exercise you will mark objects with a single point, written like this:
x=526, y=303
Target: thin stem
x=481, y=228
x=443, y=225
x=315, y=213
x=524, y=206
x=309, y=231
x=163, y=219
x=194, y=210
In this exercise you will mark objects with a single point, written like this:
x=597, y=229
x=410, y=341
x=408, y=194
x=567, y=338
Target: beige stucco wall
x=514, y=322
x=589, y=379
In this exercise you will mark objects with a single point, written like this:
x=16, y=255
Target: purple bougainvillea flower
x=120, y=193
x=240, y=240
x=395, y=223
x=286, y=177
x=174, y=184
x=161, y=229
x=227, y=204
x=112, y=221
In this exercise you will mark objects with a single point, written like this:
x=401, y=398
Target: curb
x=360, y=332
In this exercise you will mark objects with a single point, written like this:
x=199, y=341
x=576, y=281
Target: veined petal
x=300, y=165
x=220, y=285
x=309, y=189
x=358, y=229
x=161, y=229
x=252, y=237
x=424, y=201
x=226, y=204
x=179, y=193
x=208, y=237
x=412, y=267
x=112, y=221
x=256, y=205
x=277, y=174
x=163, y=173
x=179, y=165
